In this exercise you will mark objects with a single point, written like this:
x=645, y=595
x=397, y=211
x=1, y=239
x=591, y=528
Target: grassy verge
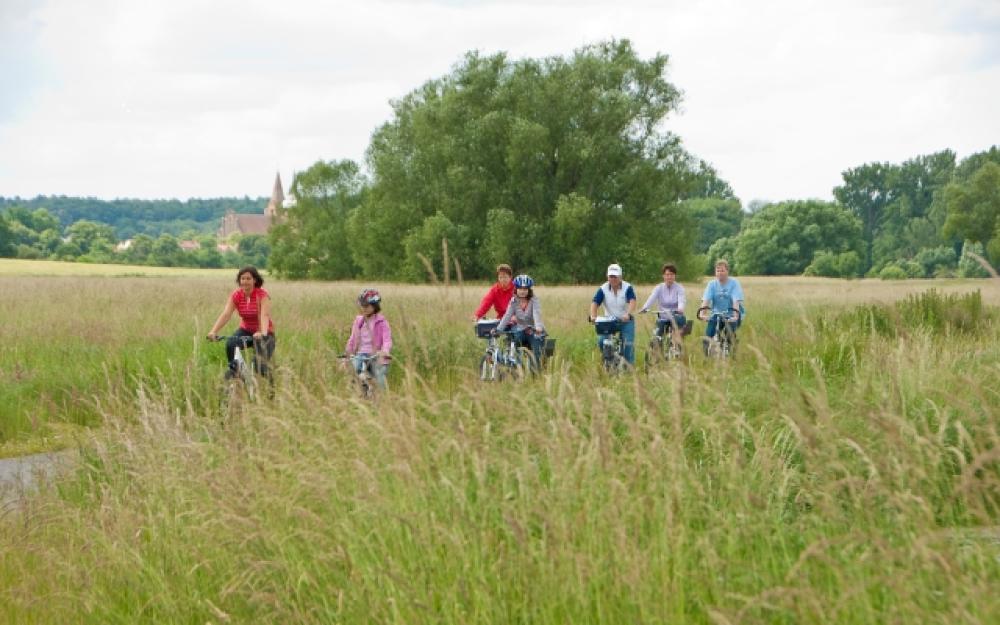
x=841, y=469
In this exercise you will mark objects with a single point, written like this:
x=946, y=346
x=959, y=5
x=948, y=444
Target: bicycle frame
x=612, y=345
x=670, y=326
x=365, y=376
x=723, y=340
x=246, y=372
x=499, y=361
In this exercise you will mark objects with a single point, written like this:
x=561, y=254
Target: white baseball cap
x=614, y=269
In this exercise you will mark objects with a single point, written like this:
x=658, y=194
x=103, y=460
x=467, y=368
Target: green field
x=843, y=468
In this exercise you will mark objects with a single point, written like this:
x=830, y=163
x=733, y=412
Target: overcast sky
x=209, y=98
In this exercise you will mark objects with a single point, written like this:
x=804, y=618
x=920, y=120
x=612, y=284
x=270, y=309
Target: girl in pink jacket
x=370, y=336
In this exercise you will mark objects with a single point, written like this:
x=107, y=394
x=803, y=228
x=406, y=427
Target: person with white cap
x=618, y=298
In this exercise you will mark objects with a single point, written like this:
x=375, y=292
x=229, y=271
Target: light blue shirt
x=722, y=296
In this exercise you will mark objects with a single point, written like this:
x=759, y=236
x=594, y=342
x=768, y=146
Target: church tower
x=277, y=198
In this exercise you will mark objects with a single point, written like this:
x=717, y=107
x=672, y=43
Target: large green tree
x=909, y=223
x=894, y=203
x=974, y=208
x=785, y=238
x=90, y=235
x=311, y=241
x=6, y=238
x=505, y=156
x=716, y=218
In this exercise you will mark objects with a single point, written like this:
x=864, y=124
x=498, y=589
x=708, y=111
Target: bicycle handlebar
x=245, y=340
x=512, y=330
x=364, y=357
x=733, y=316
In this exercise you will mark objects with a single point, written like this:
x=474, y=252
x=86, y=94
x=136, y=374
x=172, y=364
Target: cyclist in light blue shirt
x=724, y=296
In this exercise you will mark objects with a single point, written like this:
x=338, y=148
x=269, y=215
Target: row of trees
x=37, y=234
x=559, y=166
x=921, y=218
x=129, y=217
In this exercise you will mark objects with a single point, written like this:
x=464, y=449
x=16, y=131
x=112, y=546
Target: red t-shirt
x=496, y=298
x=249, y=309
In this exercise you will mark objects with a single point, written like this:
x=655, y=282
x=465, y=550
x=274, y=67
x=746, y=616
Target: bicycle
x=364, y=369
x=664, y=332
x=503, y=358
x=609, y=329
x=722, y=343
x=243, y=379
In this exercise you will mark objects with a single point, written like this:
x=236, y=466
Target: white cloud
x=161, y=98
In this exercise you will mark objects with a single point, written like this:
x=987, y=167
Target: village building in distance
x=244, y=223
x=238, y=224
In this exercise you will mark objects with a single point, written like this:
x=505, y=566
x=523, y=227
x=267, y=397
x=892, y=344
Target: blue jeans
x=627, y=328
x=713, y=324
x=379, y=370
x=664, y=327
x=534, y=341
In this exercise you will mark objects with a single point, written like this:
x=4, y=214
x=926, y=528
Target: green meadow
x=844, y=467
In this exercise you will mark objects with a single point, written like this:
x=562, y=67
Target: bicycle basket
x=550, y=348
x=485, y=326
x=606, y=325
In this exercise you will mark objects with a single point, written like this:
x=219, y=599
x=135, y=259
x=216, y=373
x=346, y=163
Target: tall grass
x=829, y=474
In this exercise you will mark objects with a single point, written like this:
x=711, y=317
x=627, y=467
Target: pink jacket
x=381, y=334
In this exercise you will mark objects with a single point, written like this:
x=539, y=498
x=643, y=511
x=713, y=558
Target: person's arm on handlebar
x=265, y=318
x=704, y=306
x=536, y=315
x=227, y=313
x=630, y=312
x=650, y=299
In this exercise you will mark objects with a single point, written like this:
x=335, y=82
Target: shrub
x=939, y=312
x=892, y=272
x=829, y=265
x=968, y=266
x=934, y=259
x=913, y=269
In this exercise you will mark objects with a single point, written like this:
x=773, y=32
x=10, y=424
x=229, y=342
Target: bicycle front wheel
x=488, y=368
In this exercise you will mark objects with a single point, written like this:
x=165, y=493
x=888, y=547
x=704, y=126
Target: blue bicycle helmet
x=523, y=281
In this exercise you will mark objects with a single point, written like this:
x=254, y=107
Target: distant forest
x=131, y=217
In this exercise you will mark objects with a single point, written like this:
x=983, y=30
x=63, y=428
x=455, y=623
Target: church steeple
x=277, y=198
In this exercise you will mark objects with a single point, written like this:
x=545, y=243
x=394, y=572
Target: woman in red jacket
x=499, y=295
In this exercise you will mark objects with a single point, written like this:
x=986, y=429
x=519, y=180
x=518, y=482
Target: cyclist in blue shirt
x=724, y=296
x=618, y=299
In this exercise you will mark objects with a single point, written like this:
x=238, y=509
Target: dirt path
x=21, y=475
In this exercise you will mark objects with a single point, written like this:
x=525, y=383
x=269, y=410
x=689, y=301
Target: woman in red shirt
x=254, y=307
x=499, y=295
